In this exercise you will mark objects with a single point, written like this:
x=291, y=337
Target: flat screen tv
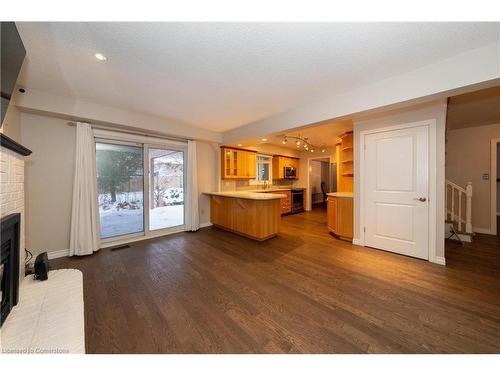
x=12, y=54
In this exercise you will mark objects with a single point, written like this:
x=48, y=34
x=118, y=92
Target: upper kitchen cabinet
x=238, y=164
x=285, y=167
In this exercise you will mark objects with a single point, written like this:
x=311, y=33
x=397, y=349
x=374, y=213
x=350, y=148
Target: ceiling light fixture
x=100, y=56
x=264, y=139
x=240, y=145
x=308, y=146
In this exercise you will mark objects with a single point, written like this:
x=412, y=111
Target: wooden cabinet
x=258, y=219
x=340, y=216
x=286, y=203
x=280, y=162
x=345, y=163
x=332, y=214
x=238, y=164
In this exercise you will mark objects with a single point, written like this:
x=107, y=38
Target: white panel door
x=396, y=191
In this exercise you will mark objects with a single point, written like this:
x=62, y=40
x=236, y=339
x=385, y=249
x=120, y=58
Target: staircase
x=458, y=211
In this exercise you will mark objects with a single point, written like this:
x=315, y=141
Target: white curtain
x=84, y=236
x=192, y=216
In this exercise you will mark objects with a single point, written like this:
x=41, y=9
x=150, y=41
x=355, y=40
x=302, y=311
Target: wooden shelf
x=347, y=161
x=347, y=174
x=347, y=148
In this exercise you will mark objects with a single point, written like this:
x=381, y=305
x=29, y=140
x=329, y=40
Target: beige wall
x=11, y=125
x=437, y=111
x=49, y=180
x=498, y=177
x=208, y=176
x=467, y=159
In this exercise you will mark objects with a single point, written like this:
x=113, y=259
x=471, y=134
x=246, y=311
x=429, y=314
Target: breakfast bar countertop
x=246, y=195
x=340, y=194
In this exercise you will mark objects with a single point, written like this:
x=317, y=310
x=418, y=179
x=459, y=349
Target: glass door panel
x=166, y=188
x=120, y=181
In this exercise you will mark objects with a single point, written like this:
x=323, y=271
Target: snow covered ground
x=166, y=217
x=116, y=222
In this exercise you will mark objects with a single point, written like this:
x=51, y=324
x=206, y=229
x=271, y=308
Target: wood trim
x=349, y=132
x=285, y=156
x=13, y=145
x=238, y=149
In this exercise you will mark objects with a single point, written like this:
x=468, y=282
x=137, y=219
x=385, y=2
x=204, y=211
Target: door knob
x=421, y=199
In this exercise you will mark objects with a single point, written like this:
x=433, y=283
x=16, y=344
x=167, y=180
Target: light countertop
x=269, y=190
x=246, y=195
x=340, y=194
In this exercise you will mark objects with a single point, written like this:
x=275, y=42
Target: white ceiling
x=219, y=76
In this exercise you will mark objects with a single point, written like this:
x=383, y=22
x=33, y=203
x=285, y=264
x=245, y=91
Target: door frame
x=147, y=173
x=493, y=186
x=145, y=142
x=432, y=131
x=308, y=203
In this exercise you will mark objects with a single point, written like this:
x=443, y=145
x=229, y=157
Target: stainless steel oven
x=289, y=172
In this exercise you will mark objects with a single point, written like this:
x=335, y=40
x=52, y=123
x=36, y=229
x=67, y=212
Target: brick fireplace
x=12, y=157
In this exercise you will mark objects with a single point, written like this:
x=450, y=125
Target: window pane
x=166, y=188
x=263, y=171
x=121, y=183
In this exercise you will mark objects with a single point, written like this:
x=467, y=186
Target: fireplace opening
x=9, y=266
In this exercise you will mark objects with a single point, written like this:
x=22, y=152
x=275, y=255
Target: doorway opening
x=321, y=179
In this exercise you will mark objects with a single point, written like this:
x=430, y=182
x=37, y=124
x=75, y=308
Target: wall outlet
x=486, y=176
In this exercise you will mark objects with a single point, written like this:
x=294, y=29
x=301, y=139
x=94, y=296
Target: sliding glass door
x=141, y=188
x=120, y=183
x=166, y=188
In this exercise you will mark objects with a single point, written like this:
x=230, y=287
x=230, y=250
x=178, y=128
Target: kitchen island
x=340, y=214
x=253, y=215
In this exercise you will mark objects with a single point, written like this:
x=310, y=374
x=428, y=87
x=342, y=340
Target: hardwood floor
x=301, y=292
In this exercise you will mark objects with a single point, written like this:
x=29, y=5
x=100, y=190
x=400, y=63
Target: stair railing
x=456, y=198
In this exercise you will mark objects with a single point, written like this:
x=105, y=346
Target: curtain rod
x=104, y=127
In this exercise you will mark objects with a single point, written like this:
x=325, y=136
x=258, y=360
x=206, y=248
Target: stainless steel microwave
x=290, y=172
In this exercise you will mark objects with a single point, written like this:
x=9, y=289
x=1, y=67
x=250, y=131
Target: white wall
x=469, y=71
x=49, y=180
x=436, y=111
x=69, y=108
x=467, y=159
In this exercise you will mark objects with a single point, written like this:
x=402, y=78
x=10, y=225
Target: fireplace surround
x=9, y=269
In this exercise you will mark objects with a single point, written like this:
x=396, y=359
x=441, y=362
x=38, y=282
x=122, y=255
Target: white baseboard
x=481, y=230
x=207, y=224
x=440, y=260
x=357, y=241
x=58, y=254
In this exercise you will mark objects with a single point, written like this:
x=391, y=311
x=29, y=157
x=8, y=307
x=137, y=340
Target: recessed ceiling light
x=100, y=56
x=264, y=139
